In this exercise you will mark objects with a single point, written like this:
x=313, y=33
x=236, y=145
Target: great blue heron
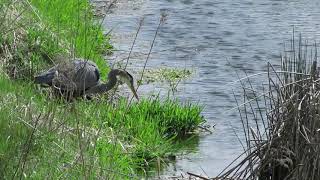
x=82, y=77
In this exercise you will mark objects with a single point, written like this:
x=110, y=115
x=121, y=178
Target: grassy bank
x=42, y=137
x=37, y=34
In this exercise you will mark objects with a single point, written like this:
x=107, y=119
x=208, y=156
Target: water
x=205, y=36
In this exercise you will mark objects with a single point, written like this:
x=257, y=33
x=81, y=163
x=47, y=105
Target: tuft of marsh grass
x=281, y=125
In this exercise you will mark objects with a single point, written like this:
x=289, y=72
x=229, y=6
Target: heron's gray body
x=82, y=77
x=79, y=75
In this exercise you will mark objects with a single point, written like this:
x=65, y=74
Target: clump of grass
x=282, y=141
x=165, y=113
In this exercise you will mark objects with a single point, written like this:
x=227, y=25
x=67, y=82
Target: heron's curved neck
x=109, y=85
x=104, y=87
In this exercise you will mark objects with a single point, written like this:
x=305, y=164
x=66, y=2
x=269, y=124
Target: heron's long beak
x=126, y=79
x=134, y=92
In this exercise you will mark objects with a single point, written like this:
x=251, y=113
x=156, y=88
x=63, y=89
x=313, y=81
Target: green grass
x=42, y=137
x=44, y=32
x=129, y=136
x=74, y=22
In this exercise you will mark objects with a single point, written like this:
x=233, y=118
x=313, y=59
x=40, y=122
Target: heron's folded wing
x=87, y=76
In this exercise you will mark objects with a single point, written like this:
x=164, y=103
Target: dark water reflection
x=207, y=35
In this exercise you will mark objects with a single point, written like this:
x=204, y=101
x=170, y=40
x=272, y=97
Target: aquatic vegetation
x=166, y=74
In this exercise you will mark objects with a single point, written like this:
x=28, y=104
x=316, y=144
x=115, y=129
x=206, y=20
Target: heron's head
x=127, y=78
x=45, y=78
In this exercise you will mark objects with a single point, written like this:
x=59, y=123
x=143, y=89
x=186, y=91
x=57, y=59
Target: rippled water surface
x=205, y=36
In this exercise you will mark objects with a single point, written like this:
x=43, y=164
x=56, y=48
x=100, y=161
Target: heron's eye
x=121, y=79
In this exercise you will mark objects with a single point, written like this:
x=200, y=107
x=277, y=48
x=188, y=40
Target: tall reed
x=282, y=124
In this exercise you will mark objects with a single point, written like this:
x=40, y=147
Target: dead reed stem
x=282, y=133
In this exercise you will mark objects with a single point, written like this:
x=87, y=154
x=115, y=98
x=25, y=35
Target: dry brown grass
x=282, y=125
x=26, y=43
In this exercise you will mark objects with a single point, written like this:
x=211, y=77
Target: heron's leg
x=88, y=97
x=65, y=95
x=69, y=96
